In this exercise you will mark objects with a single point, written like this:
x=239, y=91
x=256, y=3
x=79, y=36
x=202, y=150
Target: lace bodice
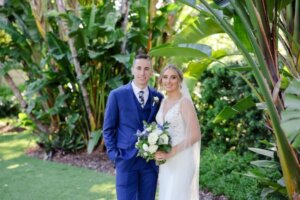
x=174, y=117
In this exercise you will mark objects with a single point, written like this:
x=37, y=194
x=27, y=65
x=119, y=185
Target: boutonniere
x=155, y=100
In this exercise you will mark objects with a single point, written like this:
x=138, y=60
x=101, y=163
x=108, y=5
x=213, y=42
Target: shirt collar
x=136, y=89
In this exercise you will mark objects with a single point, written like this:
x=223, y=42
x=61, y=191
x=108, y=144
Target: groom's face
x=142, y=71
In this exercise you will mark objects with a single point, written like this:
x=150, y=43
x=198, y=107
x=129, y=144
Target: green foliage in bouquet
x=153, y=138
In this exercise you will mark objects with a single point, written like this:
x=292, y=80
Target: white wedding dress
x=177, y=179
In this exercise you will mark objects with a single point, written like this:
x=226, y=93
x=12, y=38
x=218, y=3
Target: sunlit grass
x=106, y=188
x=4, y=121
x=12, y=145
x=26, y=178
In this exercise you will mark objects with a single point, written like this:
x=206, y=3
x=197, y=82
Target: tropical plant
x=220, y=89
x=288, y=23
x=74, y=53
x=261, y=16
x=268, y=161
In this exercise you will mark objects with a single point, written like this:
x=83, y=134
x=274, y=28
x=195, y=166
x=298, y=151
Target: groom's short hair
x=142, y=55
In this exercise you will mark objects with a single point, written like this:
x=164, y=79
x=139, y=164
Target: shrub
x=9, y=106
x=220, y=87
x=224, y=174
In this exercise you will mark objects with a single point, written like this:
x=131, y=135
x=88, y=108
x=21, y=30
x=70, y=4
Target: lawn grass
x=26, y=178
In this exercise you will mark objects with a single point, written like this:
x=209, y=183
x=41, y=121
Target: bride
x=178, y=177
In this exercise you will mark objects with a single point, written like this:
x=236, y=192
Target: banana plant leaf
x=60, y=100
x=273, y=186
x=264, y=152
x=196, y=68
x=229, y=112
x=71, y=121
x=197, y=30
x=265, y=164
x=93, y=140
x=184, y=50
x=290, y=120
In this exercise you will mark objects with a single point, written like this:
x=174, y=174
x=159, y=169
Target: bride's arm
x=192, y=130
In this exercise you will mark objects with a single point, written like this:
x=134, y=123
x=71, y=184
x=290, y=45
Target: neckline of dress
x=165, y=114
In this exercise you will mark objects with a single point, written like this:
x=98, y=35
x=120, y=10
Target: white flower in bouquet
x=158, y=132
x=145, y=147
x=152, y=138
x=163, y=139
x=152, y=148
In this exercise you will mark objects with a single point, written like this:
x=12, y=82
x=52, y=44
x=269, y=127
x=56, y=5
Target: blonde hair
x=173, y=67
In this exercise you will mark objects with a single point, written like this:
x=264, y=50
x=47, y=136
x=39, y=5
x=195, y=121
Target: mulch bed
x=7, y=128
x=97, y=160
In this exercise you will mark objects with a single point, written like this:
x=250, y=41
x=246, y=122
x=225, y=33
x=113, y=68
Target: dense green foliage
x=220, y=87
x=223, y=173
x=225, y=157
x=70, y=105
x=9, y=106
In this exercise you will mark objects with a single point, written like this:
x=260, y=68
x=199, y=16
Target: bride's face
x=170, y=80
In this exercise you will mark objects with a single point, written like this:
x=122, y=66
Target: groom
x=127, y=107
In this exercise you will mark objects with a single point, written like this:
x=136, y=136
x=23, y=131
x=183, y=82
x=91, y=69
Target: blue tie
x=141, y=98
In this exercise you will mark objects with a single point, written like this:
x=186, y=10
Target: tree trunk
x=22, y=102
x=61, y=8
x=151, y=15
x=125, y=12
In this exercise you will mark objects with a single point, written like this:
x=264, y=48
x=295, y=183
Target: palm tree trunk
x=22, y=102
x=125, y=12
x=151, y=15
x=61, y=8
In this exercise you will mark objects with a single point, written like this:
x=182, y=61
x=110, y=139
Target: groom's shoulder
x=121, y=89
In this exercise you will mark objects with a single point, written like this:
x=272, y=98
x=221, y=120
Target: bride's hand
x=160, y=155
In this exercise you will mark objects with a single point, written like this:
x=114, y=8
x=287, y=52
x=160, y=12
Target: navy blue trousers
x=135, y=179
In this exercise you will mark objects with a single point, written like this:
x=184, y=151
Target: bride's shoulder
x=186, y=103
x=186, y=100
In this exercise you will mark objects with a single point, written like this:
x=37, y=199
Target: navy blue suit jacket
x=122, y=120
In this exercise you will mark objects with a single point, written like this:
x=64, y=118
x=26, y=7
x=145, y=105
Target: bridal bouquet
x=153, y=138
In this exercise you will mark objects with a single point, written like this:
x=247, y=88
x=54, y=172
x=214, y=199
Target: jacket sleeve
x=110, y=126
